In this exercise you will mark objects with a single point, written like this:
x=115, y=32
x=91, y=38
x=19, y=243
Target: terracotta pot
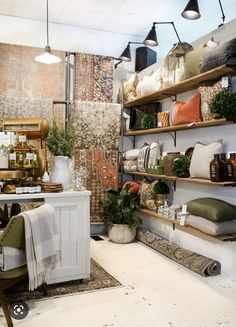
x=122, y=234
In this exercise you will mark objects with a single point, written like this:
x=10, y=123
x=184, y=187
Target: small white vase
x=122, y=234
x=62, y=171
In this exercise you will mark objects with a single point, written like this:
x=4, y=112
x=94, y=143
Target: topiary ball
x=223, y=105
x=180, y=166
x=147, y=121
x=161, y=188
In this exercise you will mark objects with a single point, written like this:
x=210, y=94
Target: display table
x=73, y=222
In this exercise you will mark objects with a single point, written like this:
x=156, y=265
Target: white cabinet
x=73, y=222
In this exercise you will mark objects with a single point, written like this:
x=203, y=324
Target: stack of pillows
x=212, y=216
x=193, y=62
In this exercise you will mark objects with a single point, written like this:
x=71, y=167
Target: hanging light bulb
x=47, y=57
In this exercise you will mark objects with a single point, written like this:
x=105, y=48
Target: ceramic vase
x=62, y=171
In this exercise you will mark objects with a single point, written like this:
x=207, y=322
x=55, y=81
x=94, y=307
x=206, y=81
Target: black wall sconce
x=126, y=54
x=151, y=38
x=191, y=11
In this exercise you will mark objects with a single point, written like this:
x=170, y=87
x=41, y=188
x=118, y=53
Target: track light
x=151, y=38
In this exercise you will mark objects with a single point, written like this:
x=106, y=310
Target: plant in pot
x=61, y=142
x=223, y=105
x=119, y=214
x=180, y=166
x=161, y=189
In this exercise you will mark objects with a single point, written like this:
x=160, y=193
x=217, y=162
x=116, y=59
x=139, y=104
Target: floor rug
x=191, y=260
x=99, y=279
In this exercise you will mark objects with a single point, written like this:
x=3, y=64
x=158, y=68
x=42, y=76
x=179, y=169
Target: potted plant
x=223, y=105
x=161, y=189
x=61, y=142
x=180, y=166
x=119, y=214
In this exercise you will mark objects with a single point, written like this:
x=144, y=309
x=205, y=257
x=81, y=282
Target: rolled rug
x=196, y=262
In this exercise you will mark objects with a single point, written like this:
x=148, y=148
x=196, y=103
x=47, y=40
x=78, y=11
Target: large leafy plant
x=61, y=141
x=120, y=208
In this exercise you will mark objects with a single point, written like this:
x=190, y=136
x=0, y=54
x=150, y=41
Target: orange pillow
x=188, y=112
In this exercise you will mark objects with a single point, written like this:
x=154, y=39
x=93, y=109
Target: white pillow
x=132, y=154
x=201, y=158
x=211, y=227
x=149, y=85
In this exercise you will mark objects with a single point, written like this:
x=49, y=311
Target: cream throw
x=42, y=244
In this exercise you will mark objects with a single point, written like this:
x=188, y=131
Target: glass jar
x=28, y=160
x=231, y=167
x=19, y=158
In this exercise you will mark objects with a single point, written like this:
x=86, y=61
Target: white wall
x=224, y=252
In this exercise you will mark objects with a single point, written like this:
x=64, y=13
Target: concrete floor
x=156, y=292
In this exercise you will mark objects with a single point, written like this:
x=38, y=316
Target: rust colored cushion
x=188, y=112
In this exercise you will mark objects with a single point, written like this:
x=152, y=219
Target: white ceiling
x=131, y=17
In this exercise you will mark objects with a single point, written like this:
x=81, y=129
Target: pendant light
x=191, y=11
x=47, y=57
x=151, y=38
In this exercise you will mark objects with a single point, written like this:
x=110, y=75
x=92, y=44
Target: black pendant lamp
x=191, y=11
x=126, y=54
x=151, y=38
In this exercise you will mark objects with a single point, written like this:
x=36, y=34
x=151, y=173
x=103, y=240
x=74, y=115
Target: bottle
x=28, y=160
x=217, y=169
x=35, y=158
x=21, y=140
x=12, y=159
x=224, y=159
x=231, y=167
x=19, y=158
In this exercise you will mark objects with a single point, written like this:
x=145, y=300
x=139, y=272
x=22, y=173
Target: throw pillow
x=212, y=209
x=130, y=165
x=207, y=94
x=132, y=154
x=211, y=227
x=224, y=53
x=130, y=88
x=201, y=158
x=147, y=196
x=187, y=112
x=143, y=158
x=193, y=61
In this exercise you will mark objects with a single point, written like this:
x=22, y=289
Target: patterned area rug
x=99, y=279
x=191, y=260
x=98, y=132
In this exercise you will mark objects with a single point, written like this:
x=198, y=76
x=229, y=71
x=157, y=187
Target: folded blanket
x=42, y=244
x=11, y=258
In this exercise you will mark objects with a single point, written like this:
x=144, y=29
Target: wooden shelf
x=183, y=180
x=181, y=87
x=202, y=124
x=189, y=229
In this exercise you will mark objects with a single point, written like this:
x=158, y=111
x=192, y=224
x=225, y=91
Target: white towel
x=42, y=244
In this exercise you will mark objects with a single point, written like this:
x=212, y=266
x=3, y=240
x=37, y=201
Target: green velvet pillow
x=212, y=209
x=193, y=61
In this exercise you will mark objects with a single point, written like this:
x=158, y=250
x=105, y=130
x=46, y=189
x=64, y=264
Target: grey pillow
x=211, y=227
x=212, y=209
x=224, y=53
